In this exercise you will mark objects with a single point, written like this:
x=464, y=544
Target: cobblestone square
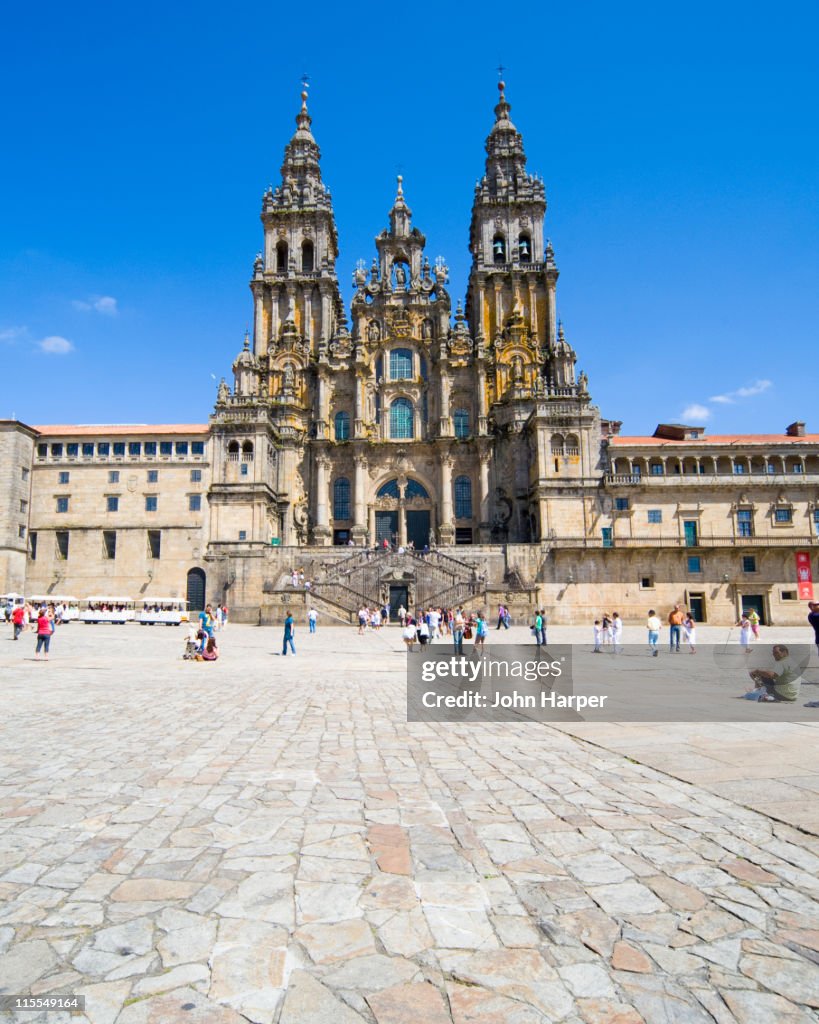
x=268, y=839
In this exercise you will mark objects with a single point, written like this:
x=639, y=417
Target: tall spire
x=400, y=214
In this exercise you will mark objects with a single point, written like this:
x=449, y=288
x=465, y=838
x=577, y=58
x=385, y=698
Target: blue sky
x=680, y=150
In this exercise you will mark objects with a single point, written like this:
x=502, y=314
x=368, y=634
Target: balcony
x=767, y=541
x=709, y=479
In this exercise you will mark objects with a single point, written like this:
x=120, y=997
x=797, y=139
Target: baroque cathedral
x=410, y=424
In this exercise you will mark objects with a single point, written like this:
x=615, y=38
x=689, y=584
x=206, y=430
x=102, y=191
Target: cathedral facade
x=466, y=435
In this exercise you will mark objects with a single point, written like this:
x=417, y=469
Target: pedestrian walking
x=745, y=633
x=753, y=618
x=690, y=631
x=288, y=635
x=481, y=629
x=45, y=627
x=598, y=636
x=18, y=620
x=653, y=625
x=617, y=632
x=458, y=626
x=813, y=619
x=675, y=621
x=312, y=618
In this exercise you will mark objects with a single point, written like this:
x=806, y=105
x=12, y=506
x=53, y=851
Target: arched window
x=557, y=444
x=233, y=451
x=401, y=364
x=499, y=249
x=341, y=498
x=525, y=249
x=461, y=418
x=342, y=425
x=401, y=416
x=307, y=256
x=463, y=497
x=281, y=257
x=416, y=490
x=389, y=490
x=572, y=444
x=247, y=451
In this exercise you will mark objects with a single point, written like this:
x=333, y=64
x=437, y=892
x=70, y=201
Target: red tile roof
x=121, y=429
x=618, y=440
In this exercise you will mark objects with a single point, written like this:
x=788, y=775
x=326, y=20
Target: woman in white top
x=745, y=633
x=690, y=631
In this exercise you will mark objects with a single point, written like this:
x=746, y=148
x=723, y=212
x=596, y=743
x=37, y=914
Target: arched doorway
x=403, y=513
x=196, y=589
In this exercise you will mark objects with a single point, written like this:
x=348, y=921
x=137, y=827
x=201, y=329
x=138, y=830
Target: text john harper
x=491, y=701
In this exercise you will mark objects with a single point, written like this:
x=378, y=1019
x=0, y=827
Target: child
x=745, y=633
x=653, y=625
x=617, y=632
x=690, y=631
x=598, y=636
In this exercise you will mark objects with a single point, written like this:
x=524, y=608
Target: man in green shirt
x=781, y=683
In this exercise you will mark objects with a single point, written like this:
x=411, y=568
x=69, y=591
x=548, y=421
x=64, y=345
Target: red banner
x=804, y=577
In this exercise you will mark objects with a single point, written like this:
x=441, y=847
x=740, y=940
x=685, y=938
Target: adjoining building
x=470, y=434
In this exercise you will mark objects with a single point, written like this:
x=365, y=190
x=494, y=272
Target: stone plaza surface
x=268, y=839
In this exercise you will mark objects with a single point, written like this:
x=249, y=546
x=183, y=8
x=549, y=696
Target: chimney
x=795, y=429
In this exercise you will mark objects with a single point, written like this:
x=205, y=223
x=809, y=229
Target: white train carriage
x=70, y=605
x=163, y=611
x=116, y=610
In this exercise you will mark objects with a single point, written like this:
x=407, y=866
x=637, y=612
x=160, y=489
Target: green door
x=608, y=540
x=691, y=528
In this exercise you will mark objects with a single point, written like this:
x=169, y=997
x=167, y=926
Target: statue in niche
x=583, y=383
x=400, y=276
x=517, y=370
x=426, y=330
x=288, y=379
x=374, y=332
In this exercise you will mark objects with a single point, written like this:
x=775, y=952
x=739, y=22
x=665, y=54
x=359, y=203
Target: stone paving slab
x=267, y=839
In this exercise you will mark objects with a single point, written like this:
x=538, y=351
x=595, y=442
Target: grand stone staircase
x=365, y=578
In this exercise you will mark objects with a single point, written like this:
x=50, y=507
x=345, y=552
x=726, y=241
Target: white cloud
x=9, y=335
x=695, y=413
x=56, y=345
x=749, y=391
x=105, y=304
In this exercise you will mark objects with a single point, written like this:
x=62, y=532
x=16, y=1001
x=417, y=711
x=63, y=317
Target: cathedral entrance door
x=399, y=597
x=196, y=590
x=418, y=527
x=386, y=526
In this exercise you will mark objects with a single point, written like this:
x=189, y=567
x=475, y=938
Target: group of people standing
x=437, y=623
x=200, y=644
x=681, y=625
x=43, y=620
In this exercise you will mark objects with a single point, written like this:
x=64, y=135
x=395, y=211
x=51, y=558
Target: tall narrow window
x=401, y=415
x=109, y=544
x=281, y=257
x=525, y=249
x=112, y=503
x=150, y=503
x=745, y=522
x=62, y=543
x=341, y=498
x=32, y=546
x=342, y=426
x=463, y=497
x=461, y=418
x=195, y=502
x=307, y=258
x=401, y=364
x=62, y=504
x=154, y=543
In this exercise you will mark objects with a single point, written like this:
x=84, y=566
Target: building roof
x=712, y=440
x=124, y=429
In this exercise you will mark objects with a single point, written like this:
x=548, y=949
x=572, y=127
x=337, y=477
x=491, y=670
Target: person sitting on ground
x=780, y=684
x=211, y=651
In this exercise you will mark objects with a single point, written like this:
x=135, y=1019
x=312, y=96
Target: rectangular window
x=197, y=447
x=798, y=467
x=657, y=469
x=42, y=451
x=56, y=451
x=694, y=563
x=104, y=448
x=109, y=544
x=816, y=521
x=21, y=532
x=23, y=505
x=739, y=468
x=196, y=476
x=62, y=543
x=135, y=449
x=783, y=515
x=73, y=450
x=150, y=502
x=655, y=515
x=242, y=534
x=32, y=546
x=62, y=504
x=463, y=534
x=64, y=477
x=749, y=563
x=608, y=539
x=119, y=449
x=789, y=595
x=195, y=502
x=24, y=472
x=153, y=476
x=243, y=469
x=166, y=448
x=181, y=447
x=113, y=476
x=646, y=583
x=112, y=503
x=88, y=451
x=154, y=543
x=745, y=522
x=621, y=504
x=150, y=447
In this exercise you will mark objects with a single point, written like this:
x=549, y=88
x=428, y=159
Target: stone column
x=322, y=426
x=445, y=424
x=321, y=533
x=484, y=524
x=358, y=384
x=552, y=311
x=447, y=530
x=482, y=420
x=359, y=530
x=259, y=339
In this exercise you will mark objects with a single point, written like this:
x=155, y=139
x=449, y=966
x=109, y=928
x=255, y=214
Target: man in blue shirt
x=288, y=635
